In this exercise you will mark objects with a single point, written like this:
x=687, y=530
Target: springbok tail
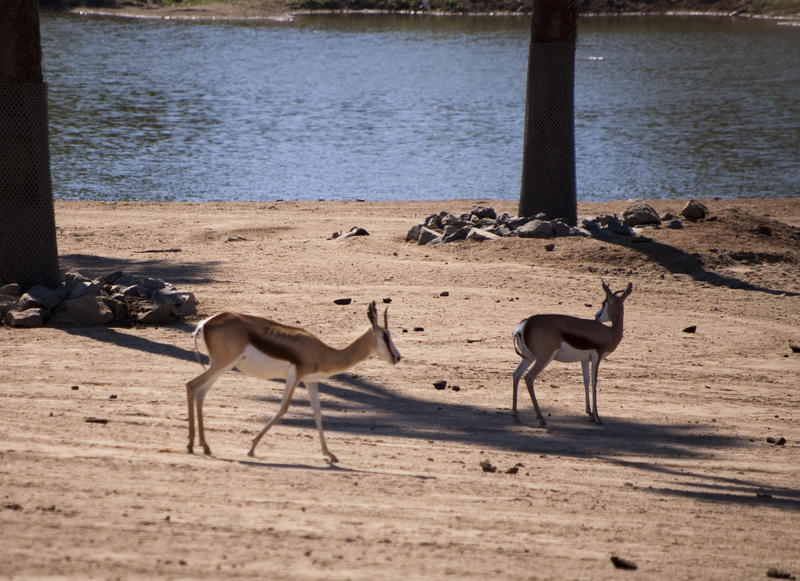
x=519, y=343
x=195, y=334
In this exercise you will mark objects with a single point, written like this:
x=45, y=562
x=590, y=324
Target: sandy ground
x=680, y=479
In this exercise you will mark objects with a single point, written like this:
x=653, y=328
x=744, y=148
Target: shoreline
x=216, y=12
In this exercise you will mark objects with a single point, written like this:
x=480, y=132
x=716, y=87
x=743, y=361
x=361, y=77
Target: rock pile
x=483, y=223
x=113, y=299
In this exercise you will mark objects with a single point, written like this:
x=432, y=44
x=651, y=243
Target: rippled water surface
x=402, y=107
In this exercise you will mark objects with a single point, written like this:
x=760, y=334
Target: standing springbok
x=262, y=348
x=542, y=338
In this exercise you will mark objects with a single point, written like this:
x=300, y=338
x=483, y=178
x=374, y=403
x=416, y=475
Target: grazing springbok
x=542, y=338
x=262, y=348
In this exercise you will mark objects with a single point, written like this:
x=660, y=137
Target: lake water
x=412, y=107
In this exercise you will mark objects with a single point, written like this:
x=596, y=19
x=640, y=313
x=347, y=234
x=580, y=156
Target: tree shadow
x=678, y=261
x=114, y=337
x=353, y=405
x=363, y=408
x=176, y=273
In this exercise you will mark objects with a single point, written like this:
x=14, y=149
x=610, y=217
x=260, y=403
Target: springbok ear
x=372, y=313
x=386, y=319
x=605, y=287
x=628, y=290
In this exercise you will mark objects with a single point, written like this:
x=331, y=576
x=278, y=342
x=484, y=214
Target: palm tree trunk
x=548, y=155
x=28, y=252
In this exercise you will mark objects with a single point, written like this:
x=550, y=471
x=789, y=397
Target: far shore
x=231, y=12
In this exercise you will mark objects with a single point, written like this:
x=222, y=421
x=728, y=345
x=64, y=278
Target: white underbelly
x=257, y=364
x=569, y=354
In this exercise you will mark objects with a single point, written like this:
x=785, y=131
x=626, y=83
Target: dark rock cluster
x=483, y=223
x=113, y=299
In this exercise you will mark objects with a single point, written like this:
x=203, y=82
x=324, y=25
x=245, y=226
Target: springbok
x=542, y=338
x=268, y=350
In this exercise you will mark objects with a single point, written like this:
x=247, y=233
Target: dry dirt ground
x=695, y=473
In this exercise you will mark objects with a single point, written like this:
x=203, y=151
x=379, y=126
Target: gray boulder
x=640, y=214
x=428, y=236
x=28, y=318
x=87, y=310
x=694, y=210
x=480, y=235
x=536, y=229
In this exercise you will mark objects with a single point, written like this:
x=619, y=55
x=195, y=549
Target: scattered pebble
x=775, y=573
x=344, y=301
x=441, y=384
x=621, y=563
x=91, y=420
x=487, y=466
x=690, y=329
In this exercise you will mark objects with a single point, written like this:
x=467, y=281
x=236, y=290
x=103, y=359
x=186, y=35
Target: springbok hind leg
x=518, y=373
x=537, y=368
x=291, y=384
x=196, y=390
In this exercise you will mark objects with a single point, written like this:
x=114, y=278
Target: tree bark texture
x=28, y=251
x=548, y=158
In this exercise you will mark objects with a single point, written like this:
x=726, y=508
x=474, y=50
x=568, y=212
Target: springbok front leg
x=313, y=397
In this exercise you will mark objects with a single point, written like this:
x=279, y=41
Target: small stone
x=690, y=329
x=343, y=301
x=795, y=347
x=28, y=319
x=11, y=289
x=481, y=235
x=487, y=466
x=621, y=563
x=441, y=384
x=387, y=300
x=536, y=229
x=444, y=294
x=775, y=573
x=458, y=234
x=640, y=214
x=549, y=247
x=428, y=236
x=413, y=233
x=482, y=212
x=762, y=230
x=694, y=210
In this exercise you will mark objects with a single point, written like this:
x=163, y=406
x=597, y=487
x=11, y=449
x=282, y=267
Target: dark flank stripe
x=578, y=342
x=266, y=344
